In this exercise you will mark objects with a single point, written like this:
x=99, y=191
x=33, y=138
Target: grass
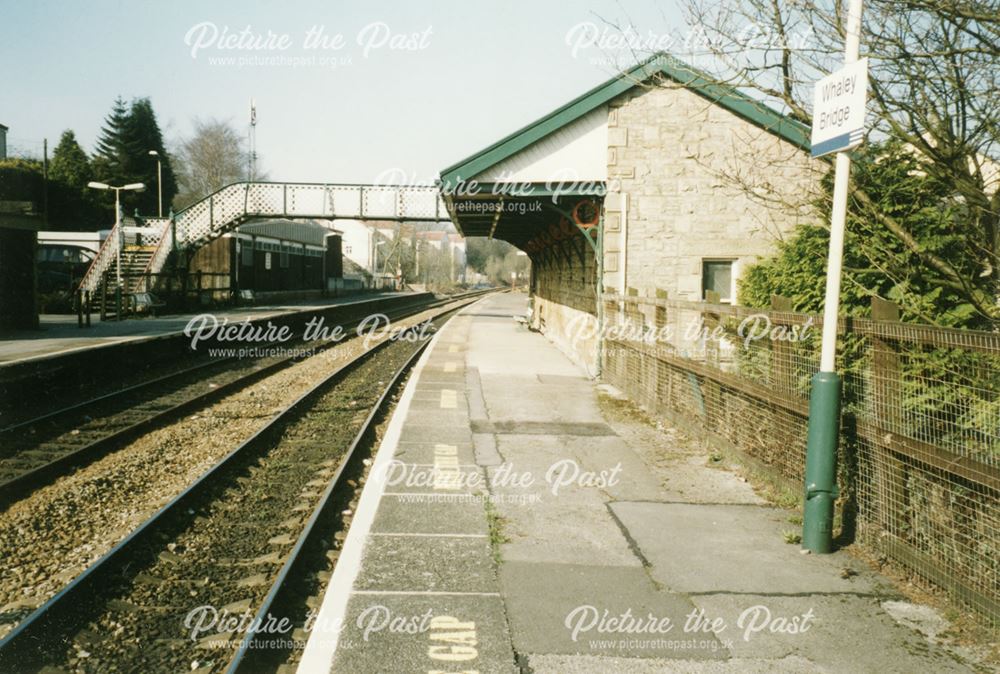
x=495, y=523
x=792, y=537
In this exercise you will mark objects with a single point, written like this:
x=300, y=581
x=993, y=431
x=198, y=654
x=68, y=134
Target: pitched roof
x=728, y=97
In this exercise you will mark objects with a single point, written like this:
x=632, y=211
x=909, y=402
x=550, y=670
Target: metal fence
x=920, y=433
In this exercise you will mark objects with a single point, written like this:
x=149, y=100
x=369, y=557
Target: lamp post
x=375, y=262
x=119, y=244
x=159, y=181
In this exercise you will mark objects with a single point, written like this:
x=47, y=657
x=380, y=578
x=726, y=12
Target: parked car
x=60, y=267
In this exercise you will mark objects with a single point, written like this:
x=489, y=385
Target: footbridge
x=226, y=209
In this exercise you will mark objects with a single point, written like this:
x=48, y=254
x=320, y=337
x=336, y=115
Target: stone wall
x=574, y=332
x=690, y=180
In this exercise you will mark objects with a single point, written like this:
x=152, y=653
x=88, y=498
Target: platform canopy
x=526, y=183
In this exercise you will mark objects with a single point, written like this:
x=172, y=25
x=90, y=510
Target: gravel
x=55, y=533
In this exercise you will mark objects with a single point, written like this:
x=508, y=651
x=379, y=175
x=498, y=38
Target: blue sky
x=478, y=71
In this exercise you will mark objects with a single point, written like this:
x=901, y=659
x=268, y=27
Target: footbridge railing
x=236, y=203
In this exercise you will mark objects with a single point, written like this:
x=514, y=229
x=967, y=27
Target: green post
x=824, y=399
x=821, y=463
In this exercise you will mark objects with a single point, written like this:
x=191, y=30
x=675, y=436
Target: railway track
x=240, y=540
x=37, y=451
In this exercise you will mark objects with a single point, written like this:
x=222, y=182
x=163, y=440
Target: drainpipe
x=599, y=293
x=624, y=243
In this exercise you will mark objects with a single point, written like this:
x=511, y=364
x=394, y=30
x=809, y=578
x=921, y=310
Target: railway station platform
x=512, y=523
x=60, y=334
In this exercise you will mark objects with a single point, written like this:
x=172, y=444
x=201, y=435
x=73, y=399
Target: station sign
x=839, y=109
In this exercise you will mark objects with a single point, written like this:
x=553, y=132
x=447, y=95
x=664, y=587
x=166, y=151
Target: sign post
x=838, y=125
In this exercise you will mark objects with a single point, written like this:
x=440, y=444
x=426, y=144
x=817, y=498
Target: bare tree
x=933, y=85
x=212, y=157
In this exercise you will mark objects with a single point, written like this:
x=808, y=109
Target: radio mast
x=252, y=149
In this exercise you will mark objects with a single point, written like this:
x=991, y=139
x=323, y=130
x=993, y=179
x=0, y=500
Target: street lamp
x=159, y=180
x=131, y=187
x=375, y=261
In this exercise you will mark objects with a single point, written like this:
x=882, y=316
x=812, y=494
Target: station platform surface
x=60, y=333
x=508, y=526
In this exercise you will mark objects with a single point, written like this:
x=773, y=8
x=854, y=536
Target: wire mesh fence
x=920, y=432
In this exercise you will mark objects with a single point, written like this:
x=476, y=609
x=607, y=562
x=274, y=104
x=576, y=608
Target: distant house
x=437, y=239
x=360, y=240
x=458, y=257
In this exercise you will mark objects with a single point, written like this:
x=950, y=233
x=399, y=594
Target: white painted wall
x=356, y=242
x=578, y=151
x=90, y=240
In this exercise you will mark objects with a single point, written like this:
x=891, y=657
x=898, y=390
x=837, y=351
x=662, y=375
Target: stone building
x=659, y=182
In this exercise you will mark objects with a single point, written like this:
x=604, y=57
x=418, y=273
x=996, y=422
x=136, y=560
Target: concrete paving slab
x=629, y=478
x=561, y=465
x=563, y=380
x=561, y=535
x=485, y=446
x=434, y=382
x=438, y=383
x=538, y=405
x=418, y=431
x=401, y=477
x=582, y=609
x=434, y=394
x=426, y=515
x=590, y=664
x=543, y=497
x=445, y=419
x=825, y=625
x=423, y=452
x=727, y=548
x=507, y=385
x=527, y=427
x=474, y=395
x=511, y=352
x=438, y=564
x=421, y=633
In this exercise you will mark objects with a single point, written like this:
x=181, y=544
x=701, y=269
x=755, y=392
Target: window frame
x=729, y=298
